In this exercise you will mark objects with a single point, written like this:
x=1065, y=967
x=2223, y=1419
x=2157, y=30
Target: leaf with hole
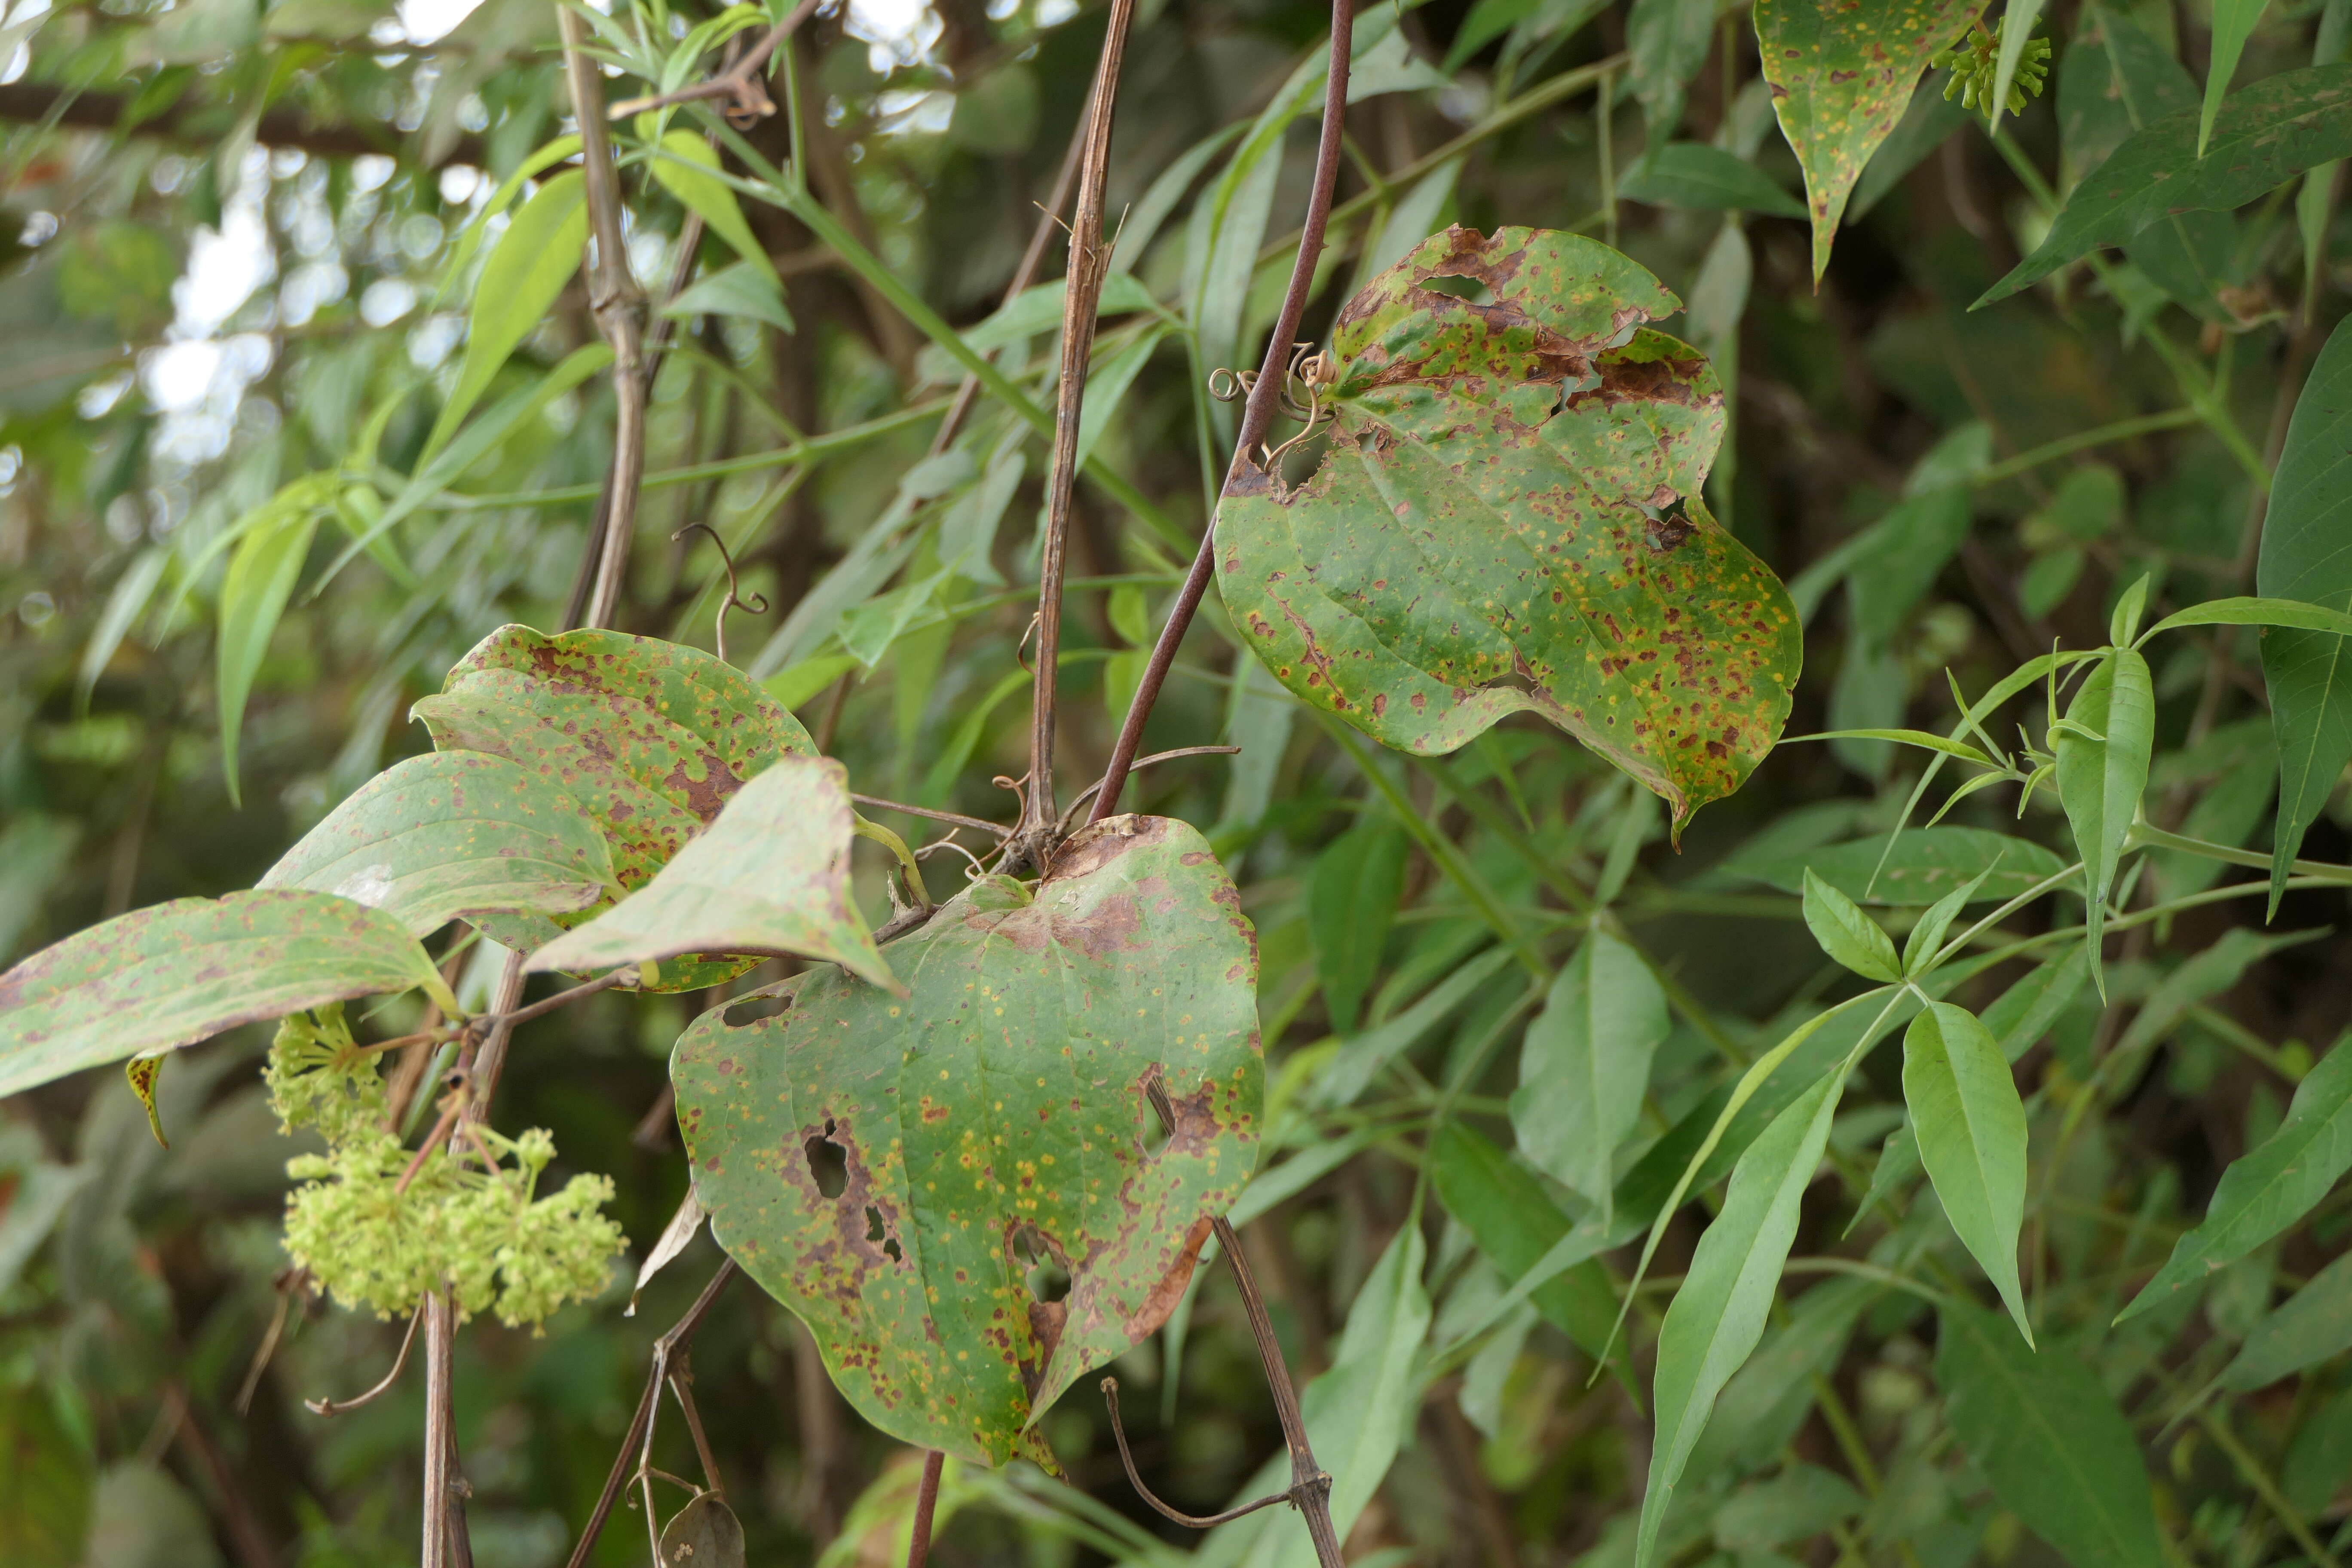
x=1718, y=1314
x=1841, y=77
x=2270, y=1187
x=649, y=739
x=2100, y=780
x=769, y=877
x=1507, y=519
x=1970, y=1126
x=2044, y=1431
x=896, y=1172
x=450, y=834
x=182, y=971
x=1584, y=1066
x=2309, y=674
x=2266, y=134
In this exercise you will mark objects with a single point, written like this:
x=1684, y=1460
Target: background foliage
x=284, y=436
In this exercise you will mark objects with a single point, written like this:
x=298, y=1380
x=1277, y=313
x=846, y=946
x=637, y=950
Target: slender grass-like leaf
x=260, y=579
x=527, y=269
x=2309, y=1327
x=2100, y=780
x=1970, y=1128
x=1584, y=1066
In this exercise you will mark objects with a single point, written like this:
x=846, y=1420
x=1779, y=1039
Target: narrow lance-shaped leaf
x=1516, y=1224
x=2264, y=135
x=687, y=167
x=892, y=1169
x=1476, y=544
x=260, y=579
x=2233, y=24
x=2047, y=1435
x=1718, y=1313
x=1842, y=77
x=1351, y=900
x=1846, y=934
x=2309, y=674
x=1585, y=1066
x=2017, y=19
x=2269, y=1188
x=2309, y=1327
x=1970, y=1126
x=450, y=833
x=528, y=269
x=183, y=972
x=2100, y=780
x=1921, y=865
x=770, y=876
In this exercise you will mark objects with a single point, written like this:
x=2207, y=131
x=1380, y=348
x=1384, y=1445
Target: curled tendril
x=1312, y=371
x=1975, y=64
x=757, y=604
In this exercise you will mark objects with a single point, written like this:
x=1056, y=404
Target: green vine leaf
x=182, y=971
x=450, y=834
x=1507, y=519
x=895, y=1171
x=771, y=876
x=1842, y=77
x=1970, y=1126
x=649, y=739
x=2100, y=780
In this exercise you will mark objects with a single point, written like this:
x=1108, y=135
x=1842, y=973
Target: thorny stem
x=673, y=1344
x=1310, y=1484
x=1090, y=263
x=926, y=1504
x=618, y=306
x=1257, y=417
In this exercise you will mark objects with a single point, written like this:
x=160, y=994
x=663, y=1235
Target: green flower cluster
x=472, y=1223
x=1975, y=64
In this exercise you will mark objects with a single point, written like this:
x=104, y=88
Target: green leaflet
x=1800, y=1503
x=2269, y=1188
x=2311, y=1326
x=699, y=188
x=2265, y=134
x=2233, y=24
x=1718, y=1313
x=1970, y=1126
x=2099, y=782
x=184, y=970
x=2309, y=674
x=2047, y=1435
x=1475, y=546
x=1584, y=1066
x=1768, y=1398
x=527, y=270
x=1846, y=934
x=450, y=833
x=260, y=580
x=881, y=1165
x=1351, y=900
x=1515, y=1223
x=1924, y=865
x=1705, y=179
x=1841, y=77
x=2021, y=1015
x=1668, y=40
x=769, y=876
x=649, y=739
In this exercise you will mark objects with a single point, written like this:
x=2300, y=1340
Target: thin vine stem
x=1258, y=414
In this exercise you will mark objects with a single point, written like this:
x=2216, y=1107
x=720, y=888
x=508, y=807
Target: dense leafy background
x=238, y=254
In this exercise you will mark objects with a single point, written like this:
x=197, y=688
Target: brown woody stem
x=440, y=1443
x=1257, y=416
x=618, y=306
x=740, y=81
x=1310, y=1484
x=673, y=1344
x=926, y=1504
x=1090, y=263
x=1135, y=1479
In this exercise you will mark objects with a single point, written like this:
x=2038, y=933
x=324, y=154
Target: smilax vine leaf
x=916, y=1178
x=649, y=739
x=1508, y=520
x=1842, y=76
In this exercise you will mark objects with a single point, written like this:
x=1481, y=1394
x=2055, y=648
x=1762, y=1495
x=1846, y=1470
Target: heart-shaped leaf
x=648, y=738
x=182, y=971
x=705, y=1533
x=1508, y=520
x=1842, y=76
x=897, y=1171
x=450, y=834
x=770, y=876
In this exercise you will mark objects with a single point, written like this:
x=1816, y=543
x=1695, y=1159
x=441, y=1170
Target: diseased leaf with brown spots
x=183, y=972
x=1508, y=520
x=143, y=1072
x=1841, y=73
x=450, y=833
x=770, y=877
x=897, y=1171
x=648, y=738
